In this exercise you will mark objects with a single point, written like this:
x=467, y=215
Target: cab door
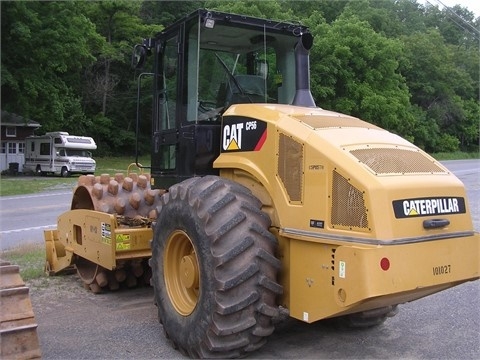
x=165, y=111
x=184, y=143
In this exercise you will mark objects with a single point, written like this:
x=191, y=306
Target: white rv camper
x=59, y=153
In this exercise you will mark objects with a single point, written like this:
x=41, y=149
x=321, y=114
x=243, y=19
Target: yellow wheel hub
x=182, y=275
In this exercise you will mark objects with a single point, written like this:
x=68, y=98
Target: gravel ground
x=77, y=324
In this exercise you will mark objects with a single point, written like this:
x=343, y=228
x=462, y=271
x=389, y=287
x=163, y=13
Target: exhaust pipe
x=303, y=96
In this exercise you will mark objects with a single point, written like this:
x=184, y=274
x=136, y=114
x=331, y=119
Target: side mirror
x=139, y=56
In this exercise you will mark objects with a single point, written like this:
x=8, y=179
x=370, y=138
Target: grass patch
x=30, y=258
x=456, y=156
x=112, y=165
x=19, y=185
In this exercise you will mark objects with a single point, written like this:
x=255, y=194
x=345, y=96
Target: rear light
x=385, y=264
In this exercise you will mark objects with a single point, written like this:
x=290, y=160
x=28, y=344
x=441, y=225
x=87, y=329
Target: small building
x=14, y=130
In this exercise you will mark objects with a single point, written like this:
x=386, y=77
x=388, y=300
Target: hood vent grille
x=396, y=161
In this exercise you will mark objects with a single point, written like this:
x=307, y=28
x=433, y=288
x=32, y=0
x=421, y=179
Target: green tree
x=381, y=15
x=45, y=45
x=109, y=85
x=356, y=71
x=167, y=12
x=327, y=9
x=442, y=86
x=403, y=65
x=270, y=9
x=457, y=25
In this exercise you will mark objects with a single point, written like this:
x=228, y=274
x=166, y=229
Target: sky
x=472, y=5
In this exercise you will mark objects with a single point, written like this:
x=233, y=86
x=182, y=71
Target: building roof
x=9, y=119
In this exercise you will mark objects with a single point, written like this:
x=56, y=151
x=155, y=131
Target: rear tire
x=214, y=269
x=366, y=319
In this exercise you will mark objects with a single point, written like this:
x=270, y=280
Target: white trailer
x=59, y=153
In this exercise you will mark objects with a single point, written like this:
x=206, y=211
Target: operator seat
x=253, y=87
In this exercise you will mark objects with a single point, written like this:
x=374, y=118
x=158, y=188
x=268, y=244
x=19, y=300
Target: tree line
x=408, y=67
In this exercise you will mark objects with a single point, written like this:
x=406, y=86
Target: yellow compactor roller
x=260, y=205
x=109, y=239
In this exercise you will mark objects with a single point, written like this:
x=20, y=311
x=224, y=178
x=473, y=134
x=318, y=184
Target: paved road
x=76, y=324
x=469, y=172
x=23, y=218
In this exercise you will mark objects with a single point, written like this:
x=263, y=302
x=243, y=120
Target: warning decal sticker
x=106, y=233
x=122, y=242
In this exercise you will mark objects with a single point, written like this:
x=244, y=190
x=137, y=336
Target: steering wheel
x=205, y=105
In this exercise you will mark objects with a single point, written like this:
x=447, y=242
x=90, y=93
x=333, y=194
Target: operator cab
x=203, y=64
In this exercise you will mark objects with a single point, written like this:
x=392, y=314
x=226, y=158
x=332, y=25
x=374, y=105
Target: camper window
x=45, y=149
x=78, y=152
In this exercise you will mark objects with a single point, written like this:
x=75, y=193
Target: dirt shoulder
x=74, y=323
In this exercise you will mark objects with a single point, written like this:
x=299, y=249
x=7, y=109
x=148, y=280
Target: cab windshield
x=238, y=65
